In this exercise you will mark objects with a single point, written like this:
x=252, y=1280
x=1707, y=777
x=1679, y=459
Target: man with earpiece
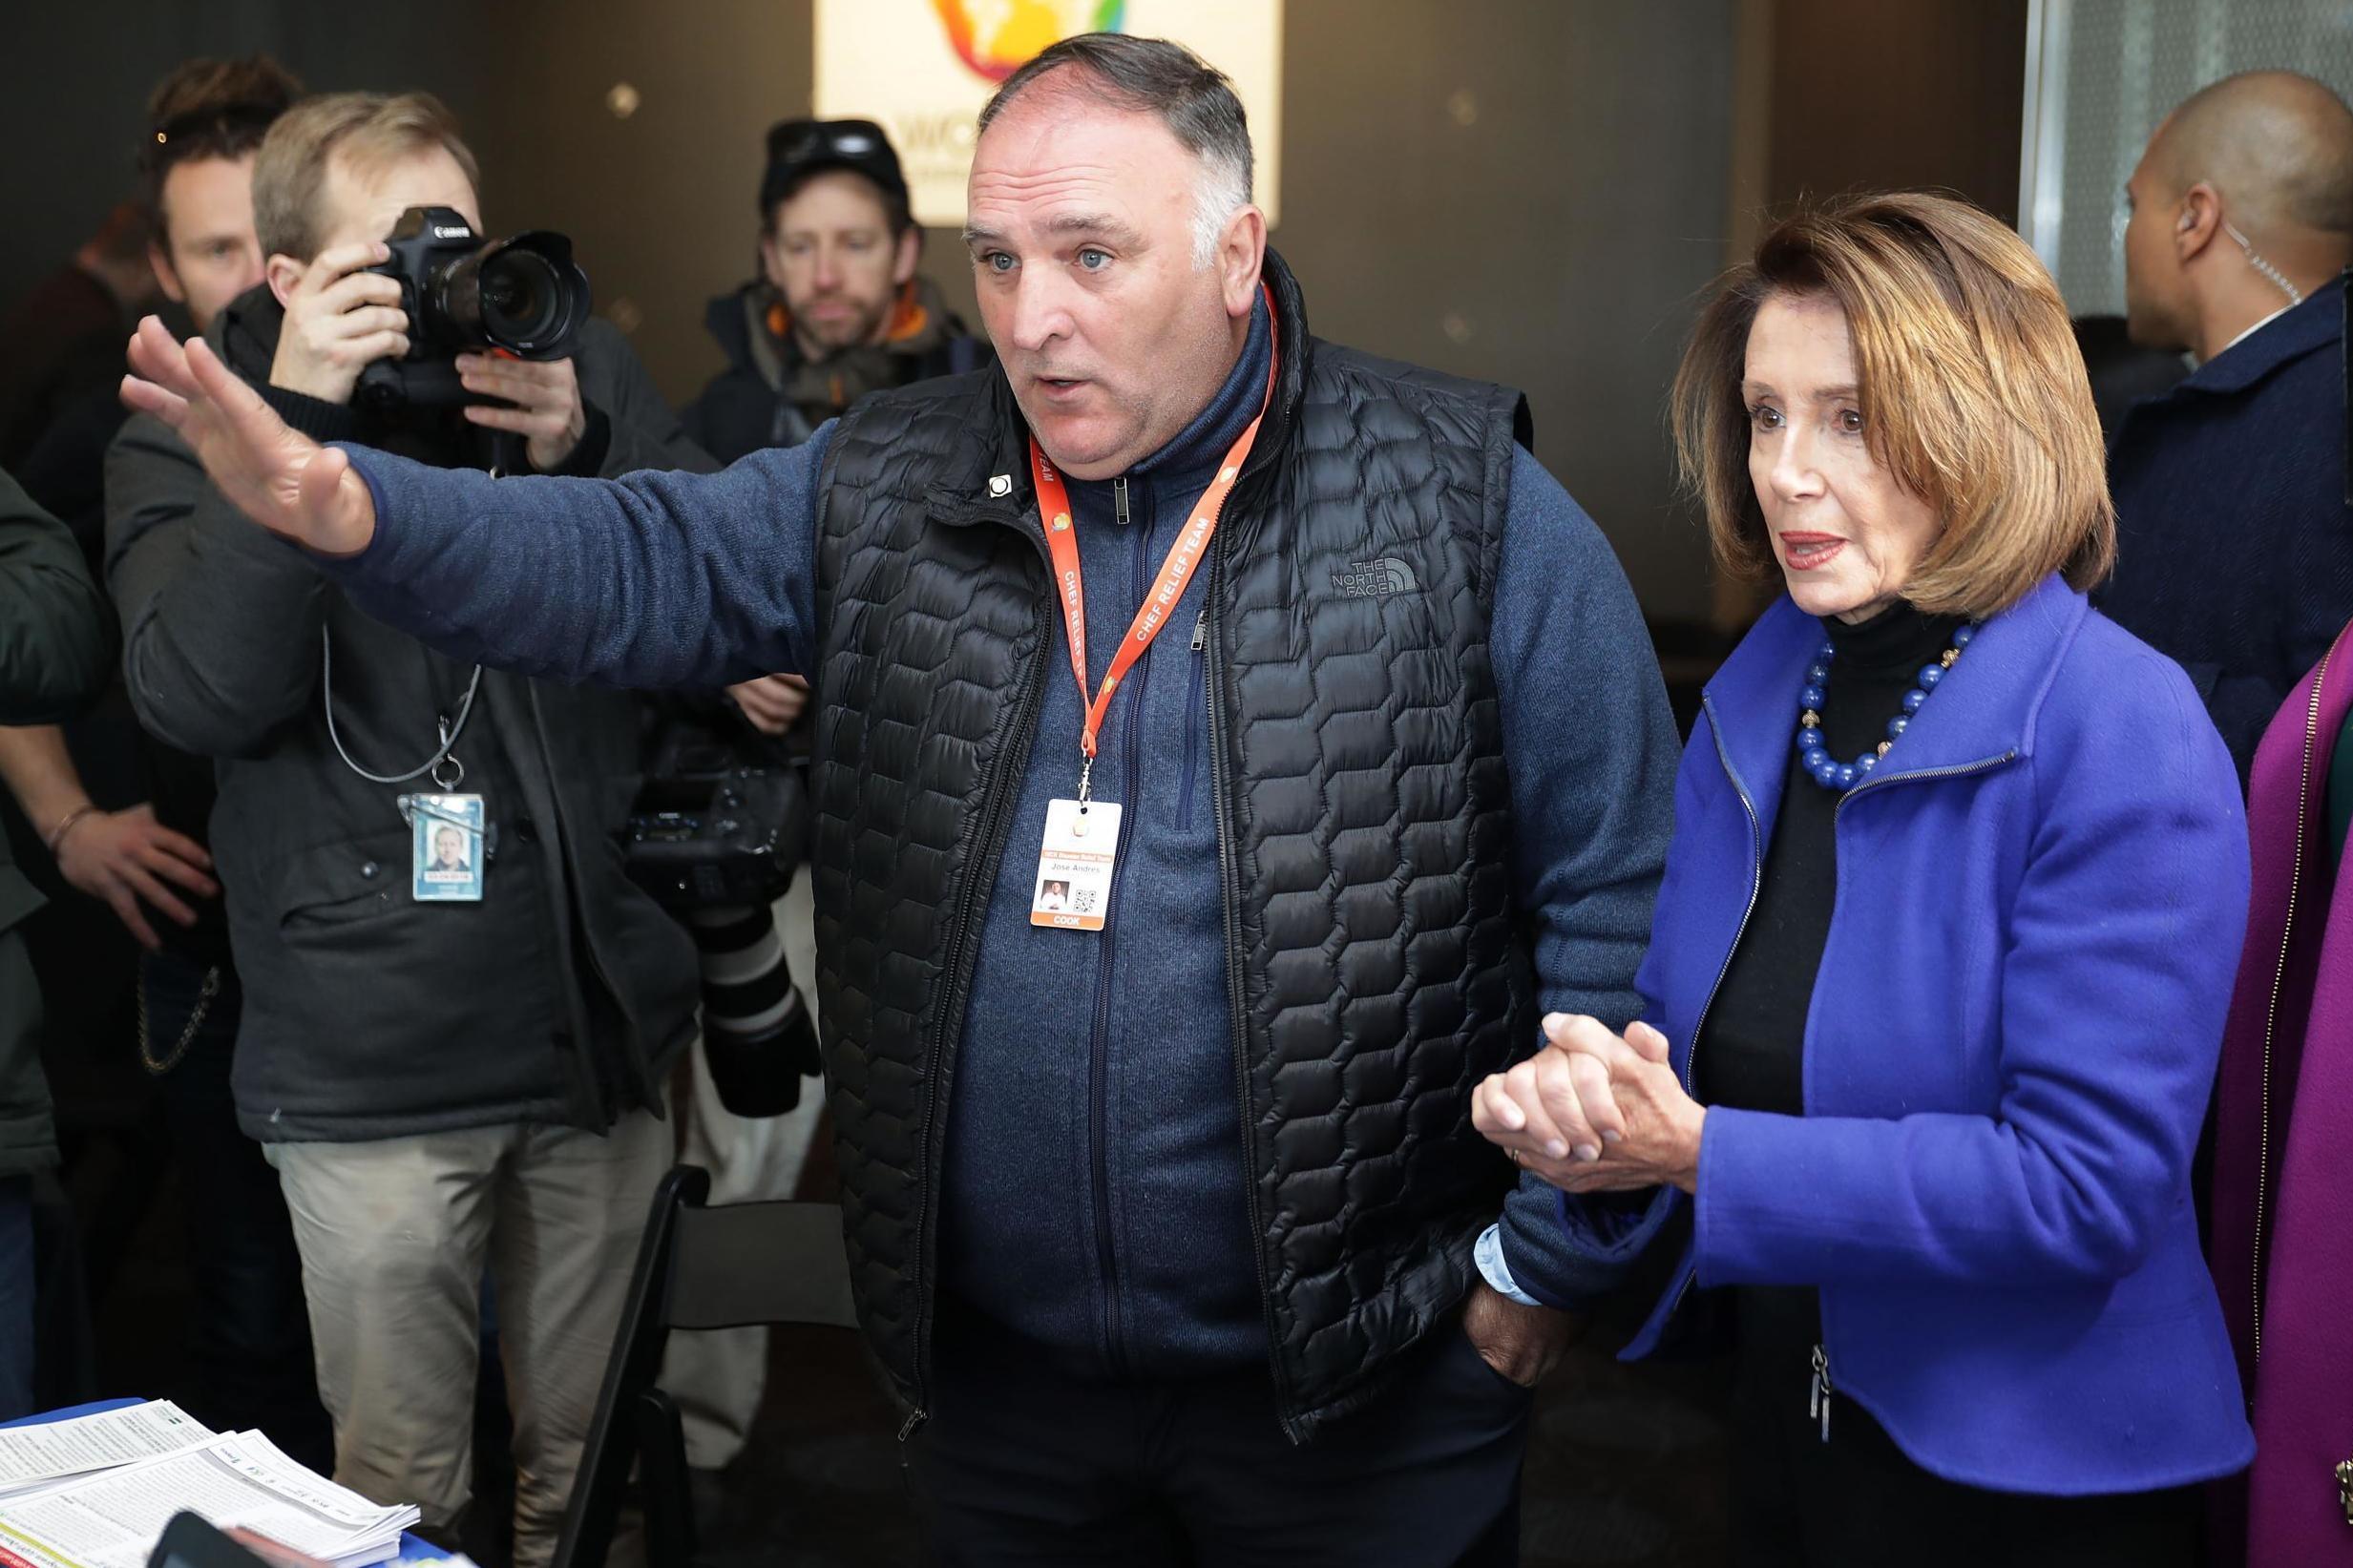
x=2234, y=552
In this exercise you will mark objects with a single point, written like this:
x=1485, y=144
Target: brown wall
x=1534, y=193
x=1835, y=96
x=1525, y=193
x=1898, y=93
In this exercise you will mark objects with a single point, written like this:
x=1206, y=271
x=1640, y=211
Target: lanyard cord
x=1185, y=557
x=449, y=735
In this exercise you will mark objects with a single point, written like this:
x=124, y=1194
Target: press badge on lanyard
x=449, y=832
x=1073, y=889
x=444, y=857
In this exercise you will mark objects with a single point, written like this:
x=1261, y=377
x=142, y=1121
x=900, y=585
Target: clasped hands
x=1594, y=1111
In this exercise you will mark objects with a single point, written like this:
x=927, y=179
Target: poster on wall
x=923, y=68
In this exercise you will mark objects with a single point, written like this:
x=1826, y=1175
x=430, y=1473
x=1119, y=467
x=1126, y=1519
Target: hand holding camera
x=341, y=318
x=384, y=323
x=548, y=412
x=494, y=319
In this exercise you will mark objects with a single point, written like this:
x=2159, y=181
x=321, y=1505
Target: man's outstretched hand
x=274, y=475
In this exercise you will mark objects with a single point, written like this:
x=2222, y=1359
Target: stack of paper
x=84, y=1517
x=41, y=1455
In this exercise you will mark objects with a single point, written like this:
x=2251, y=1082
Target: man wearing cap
x=837, y=310
x=1168, y=1229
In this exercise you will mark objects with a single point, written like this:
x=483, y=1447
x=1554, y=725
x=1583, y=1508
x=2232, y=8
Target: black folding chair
x=730, y=1266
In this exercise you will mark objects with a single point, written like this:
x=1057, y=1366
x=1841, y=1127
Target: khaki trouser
x=395, y=1235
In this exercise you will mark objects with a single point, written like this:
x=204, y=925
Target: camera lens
x=522, y=299
x=524, y=295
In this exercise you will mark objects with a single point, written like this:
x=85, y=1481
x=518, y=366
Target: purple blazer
x=2040, y=897
x=2287, y=1065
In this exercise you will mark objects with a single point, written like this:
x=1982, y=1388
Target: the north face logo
x=1374, y=579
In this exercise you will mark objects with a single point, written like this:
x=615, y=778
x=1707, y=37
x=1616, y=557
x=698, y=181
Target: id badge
x=1073, y=889
x=445, y=858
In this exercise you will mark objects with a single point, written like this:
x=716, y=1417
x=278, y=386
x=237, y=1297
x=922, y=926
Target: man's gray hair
x=1156, y=76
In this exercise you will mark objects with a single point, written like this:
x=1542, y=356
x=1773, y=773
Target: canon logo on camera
x=461, y=232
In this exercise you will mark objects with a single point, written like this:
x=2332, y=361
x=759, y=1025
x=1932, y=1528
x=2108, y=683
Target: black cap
x=798, y=149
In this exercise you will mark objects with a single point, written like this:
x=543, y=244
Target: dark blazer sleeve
x=220, y=621
x=56, y=639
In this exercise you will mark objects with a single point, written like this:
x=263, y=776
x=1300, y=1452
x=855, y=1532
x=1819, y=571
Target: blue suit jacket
x=2040, y=899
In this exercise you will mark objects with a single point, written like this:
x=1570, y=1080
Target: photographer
x=448, y=1083
x=247, y=1333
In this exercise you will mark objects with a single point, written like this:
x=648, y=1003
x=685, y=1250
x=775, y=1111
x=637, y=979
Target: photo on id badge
x=445, y=834
x=1073, y=892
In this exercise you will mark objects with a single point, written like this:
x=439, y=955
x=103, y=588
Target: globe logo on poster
x=922, y=70
x=997, y=38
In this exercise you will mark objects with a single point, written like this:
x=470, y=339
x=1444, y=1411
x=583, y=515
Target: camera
x=525, y=296
x=719, y=839
x=717, y=849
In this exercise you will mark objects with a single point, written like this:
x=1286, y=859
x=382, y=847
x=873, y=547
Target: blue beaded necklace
x=1814, y=752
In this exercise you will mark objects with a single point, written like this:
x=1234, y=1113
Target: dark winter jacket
x=564, y=995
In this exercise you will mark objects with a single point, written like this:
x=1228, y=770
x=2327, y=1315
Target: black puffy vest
x=1374, y=972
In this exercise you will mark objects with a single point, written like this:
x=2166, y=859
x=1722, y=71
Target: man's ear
x=909, y=251
x=167, y=278
x=284, y=274
x=1241, y=259
x=2198, y=223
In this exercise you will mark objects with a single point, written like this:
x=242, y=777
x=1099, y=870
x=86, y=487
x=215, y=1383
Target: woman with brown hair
x=1940, y=961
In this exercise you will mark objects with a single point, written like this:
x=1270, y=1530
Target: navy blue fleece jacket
x=1094, y=1194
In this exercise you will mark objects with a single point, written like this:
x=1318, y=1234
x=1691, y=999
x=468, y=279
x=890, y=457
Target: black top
x=1752, y=1054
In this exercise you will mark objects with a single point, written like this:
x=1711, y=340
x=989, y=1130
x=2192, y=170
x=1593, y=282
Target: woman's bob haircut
x=1973, y=395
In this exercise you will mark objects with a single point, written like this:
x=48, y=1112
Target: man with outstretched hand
x=1333, y=719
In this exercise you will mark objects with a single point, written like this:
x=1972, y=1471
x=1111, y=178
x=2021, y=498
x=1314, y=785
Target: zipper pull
x=906, y=1456
x=1817, y=1403
x=1119, y=499
x=1201, y=632
x=2344, y=1489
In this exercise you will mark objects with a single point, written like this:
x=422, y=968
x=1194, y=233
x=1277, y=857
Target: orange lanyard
x=1184, y=557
